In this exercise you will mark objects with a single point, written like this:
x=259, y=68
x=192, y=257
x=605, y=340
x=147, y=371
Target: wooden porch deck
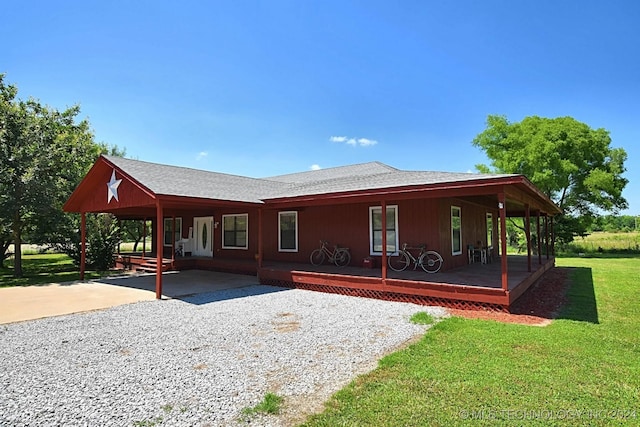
x=471, y=286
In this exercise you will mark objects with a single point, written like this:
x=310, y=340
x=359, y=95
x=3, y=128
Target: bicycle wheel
x=342, y=257
x=398, y=262
x=317, y=257
x=431, y=261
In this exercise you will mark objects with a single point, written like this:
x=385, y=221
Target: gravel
x=200, y=360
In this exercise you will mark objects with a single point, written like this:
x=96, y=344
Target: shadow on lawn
x=561, y=293
x=581, y=299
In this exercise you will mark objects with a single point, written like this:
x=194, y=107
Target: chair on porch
x=474, y=254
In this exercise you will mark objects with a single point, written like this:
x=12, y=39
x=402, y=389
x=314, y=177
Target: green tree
x=44, y=154
x=574, y=165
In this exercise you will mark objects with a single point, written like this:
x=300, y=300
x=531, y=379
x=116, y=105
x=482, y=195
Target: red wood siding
x=91, y=195
x=419, y=221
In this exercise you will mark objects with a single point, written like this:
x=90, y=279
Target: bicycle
x=339, y=256
x=430, y=261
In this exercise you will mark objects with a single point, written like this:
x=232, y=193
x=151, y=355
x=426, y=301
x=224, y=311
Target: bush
x=103, y=235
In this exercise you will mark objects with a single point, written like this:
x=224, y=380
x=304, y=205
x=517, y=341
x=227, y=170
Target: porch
x=474, y=285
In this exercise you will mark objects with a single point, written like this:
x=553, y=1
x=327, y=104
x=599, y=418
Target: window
x=376, y=229
x=288, y=231
x=235, y=228
x=168, y=227
x=456, y=231
x=489, y=230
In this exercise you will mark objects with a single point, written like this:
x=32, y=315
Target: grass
x=422, y=318
x=583, y=369
x=269, y=405
x=43, y=269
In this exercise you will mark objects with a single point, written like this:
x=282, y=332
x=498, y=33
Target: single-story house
x=270, y=226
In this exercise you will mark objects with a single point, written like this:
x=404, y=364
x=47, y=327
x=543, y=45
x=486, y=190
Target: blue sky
x=262, y=88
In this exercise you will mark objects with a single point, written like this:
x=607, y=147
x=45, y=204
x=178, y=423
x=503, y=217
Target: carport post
x=527, y=232
x=83, y=243
x=159, y=248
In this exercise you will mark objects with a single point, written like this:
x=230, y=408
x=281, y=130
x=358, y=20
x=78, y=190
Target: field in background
x=606, y=242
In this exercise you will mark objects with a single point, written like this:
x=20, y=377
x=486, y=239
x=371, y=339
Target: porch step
x=150, y=266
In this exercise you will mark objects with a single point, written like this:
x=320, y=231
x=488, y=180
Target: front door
x=203, y=236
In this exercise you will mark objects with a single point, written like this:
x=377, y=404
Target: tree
x=574, y=165
x=44, y=154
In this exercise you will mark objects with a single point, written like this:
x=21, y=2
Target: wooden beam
x=159, y=248
x=83, y=243
x=503, y=240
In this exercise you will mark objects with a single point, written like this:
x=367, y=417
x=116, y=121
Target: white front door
x=203, y=236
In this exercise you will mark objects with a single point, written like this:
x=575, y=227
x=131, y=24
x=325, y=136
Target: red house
x=270, y=226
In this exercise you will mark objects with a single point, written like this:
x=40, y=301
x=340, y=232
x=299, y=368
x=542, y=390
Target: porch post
x=527, y=232
x=83, y=243
x=383, y=206
x=539, y=238
x=159, y=248
x=503, y=240
x=144, y=238
x=259, y=239
x=553, y=239
x=546, y=235
x=173, y=240
x=120, y=230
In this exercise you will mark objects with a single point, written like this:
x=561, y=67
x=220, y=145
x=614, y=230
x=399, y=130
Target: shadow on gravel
x=196, y=286
x=209, y=297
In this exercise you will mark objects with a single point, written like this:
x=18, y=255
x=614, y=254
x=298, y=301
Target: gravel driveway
x=196, y=361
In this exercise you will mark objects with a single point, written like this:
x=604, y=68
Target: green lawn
x=583, y=369
x=42, y=269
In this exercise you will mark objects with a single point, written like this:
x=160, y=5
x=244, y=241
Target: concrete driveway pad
x=34, y=302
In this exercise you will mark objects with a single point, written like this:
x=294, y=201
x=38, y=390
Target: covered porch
x=475, y=285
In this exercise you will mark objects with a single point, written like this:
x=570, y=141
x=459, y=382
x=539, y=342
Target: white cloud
x=362, y=142
x=201, y=155
x=315, y=167
x=365, y=142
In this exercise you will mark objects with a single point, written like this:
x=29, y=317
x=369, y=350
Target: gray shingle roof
x=187, y=182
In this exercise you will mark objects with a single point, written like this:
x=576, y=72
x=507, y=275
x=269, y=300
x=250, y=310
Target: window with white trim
x=489, y=230
x=456, y=230
x=168, y=228
x=288, y=231
x=376, y=229
x=234, y=231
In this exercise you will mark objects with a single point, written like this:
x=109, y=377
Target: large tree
x=44, y=153
x=574, y=165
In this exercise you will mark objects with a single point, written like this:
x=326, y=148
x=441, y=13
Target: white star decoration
x=112, y=187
